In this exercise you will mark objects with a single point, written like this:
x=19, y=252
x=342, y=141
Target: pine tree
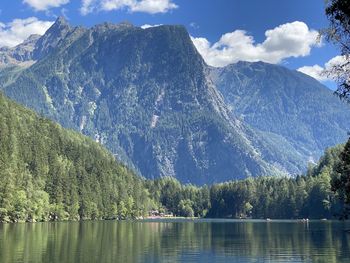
x=341, y=183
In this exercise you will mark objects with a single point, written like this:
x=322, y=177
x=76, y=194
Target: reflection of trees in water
x=17, y=241
x=108, y=241
x=319, y=242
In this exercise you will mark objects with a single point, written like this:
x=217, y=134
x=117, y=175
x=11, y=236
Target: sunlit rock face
x=148, y=96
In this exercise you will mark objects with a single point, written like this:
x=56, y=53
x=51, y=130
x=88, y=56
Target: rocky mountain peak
x=32, y=39
x=57, y=32
x=20, y=54
x=61, y=20
x=149, y=97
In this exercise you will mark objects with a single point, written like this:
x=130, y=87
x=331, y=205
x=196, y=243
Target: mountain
x=35, y=47
x=149, y=97
x=49, y=173
x=19, y=55
x=143, y=93
x=288, y=109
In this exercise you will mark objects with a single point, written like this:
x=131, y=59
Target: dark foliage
x=307, y=196
x=341, y=183
x=48, y=173
x=338, y=32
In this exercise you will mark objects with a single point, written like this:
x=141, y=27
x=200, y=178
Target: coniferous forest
x=49, y=173
x=303, y=196
x=157, y=131
x=174, y=120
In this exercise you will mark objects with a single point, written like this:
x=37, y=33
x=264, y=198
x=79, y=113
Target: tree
x=341, y=183
x=48, y=173
x=185, y=208
x=338, y=32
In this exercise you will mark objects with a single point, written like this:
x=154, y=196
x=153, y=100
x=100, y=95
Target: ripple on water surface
x=176, y=241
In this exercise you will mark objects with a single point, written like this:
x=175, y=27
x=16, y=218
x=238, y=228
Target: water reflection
x=186, y=241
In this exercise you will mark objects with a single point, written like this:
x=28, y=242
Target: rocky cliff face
x=19, y=55
x=145, y=94
x=148, y=96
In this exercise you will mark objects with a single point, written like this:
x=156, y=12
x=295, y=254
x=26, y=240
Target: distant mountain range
x=289, y=109
x=149, y=97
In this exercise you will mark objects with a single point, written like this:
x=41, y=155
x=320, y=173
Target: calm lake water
x=176, y=241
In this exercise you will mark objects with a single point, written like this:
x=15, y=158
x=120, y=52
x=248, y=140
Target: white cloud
x=320, y=72
x=194, y=25
x=315, y=71
x=42, y=5
x=145, y=26
x=288, y=40
x=87, y=6
x=338, y=60
x=145, y=6
x=15, y=32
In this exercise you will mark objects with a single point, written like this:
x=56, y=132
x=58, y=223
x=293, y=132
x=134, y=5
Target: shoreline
x=174, y=218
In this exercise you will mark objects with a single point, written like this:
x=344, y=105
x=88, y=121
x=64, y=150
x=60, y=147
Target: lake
x=176, y=241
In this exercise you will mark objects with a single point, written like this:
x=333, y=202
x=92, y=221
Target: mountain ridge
x=287, y=103
x=148, y=95
x=145, y=94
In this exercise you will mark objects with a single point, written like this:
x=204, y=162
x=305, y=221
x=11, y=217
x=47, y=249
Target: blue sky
x=224, y=31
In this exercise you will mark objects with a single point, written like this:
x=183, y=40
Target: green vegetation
x=341, y=182
x=147, y=97
x=338, y=32
x=181, y=200
x=48, y=173
x=308, y=196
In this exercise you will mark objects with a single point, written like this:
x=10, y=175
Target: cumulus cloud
x=320, y=72
x=87, y=6
x=42, y=5
x=15, y=32
x=145, y=26
x=145, y=6
x=315, y=71
x=288, y=40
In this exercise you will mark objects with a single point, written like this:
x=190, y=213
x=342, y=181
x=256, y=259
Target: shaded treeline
x=306, y=196
x=49, y=173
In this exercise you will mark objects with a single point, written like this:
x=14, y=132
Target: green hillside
x=49, y=173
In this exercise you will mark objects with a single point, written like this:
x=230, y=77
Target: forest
x=303, y=196
x=49, y=173
x=52, y=174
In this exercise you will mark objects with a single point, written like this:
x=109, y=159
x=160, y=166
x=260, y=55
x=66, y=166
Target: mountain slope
x=287, y=107
x=146, y=95
x=48, y=173
x=19, y=55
